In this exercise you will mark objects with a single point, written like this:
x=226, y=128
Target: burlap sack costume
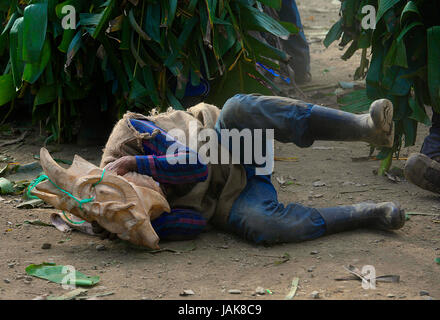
x=212, y=198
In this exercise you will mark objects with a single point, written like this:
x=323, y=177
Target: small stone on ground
x=187, y=293
x=46, y=246
x=234, y=291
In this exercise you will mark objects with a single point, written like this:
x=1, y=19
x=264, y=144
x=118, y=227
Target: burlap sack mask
x=123, y=205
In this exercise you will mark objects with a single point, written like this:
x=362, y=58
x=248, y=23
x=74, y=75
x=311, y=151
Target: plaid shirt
x=179, y=224
x=157, y=164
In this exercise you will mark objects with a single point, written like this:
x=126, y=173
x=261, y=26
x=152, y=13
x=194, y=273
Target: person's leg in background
x=423, y=169
x=431, y=145
x=297, y=45
x=256, y=214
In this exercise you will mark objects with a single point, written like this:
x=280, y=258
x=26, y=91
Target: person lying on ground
x=238, y=196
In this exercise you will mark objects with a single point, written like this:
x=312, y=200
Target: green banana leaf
x=133, y=55
x=60, y=274
x=7, y=88
x=434, y=66
x=34, y=31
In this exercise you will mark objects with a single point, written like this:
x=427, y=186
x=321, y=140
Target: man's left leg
x=257, y=215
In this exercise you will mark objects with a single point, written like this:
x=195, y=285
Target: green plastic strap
x=45, y=177
x=102, y=177
x=33, y=185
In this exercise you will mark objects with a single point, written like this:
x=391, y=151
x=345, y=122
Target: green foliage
x=57, y=273
x=355, y=102
x=405, y=62
x=139, y=54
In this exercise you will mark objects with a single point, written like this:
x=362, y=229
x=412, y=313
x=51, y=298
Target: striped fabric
x=167, y=169
x=180, y=224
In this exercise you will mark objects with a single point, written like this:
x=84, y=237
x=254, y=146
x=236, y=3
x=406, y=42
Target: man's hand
x=122, y=165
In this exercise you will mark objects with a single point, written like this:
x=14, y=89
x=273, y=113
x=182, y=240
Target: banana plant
x=405, y=61
x=134, y=54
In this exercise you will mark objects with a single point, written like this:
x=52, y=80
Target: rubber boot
x=376, y=127
x=383, y=216
x=423, y=171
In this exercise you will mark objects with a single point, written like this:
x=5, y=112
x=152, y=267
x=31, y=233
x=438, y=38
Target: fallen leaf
x=30, y=204
x=357, y=275
x=60, y=274
x=38, y=222
x=71, y=295
x=293, y=289
x=388, y=278
x=323, y=148
x=422, y=214
x=105, y=294
x=284, y=258
x=288, y=159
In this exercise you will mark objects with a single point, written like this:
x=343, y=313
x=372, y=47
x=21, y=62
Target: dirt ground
x=217, y=262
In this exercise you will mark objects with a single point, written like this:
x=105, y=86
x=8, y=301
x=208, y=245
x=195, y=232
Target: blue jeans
x=257, y=215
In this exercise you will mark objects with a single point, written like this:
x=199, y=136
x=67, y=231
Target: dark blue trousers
x=431, y=145
x=297, y=45
x=257, y=215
